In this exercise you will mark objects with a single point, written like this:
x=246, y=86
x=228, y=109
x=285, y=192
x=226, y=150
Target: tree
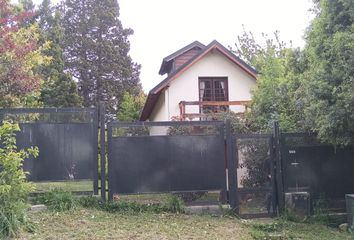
x=19, y=56
x=328, y=85
x=275, y=97
x=97, y=52
x=27, y=5
x=131, y=107
x=59, y=89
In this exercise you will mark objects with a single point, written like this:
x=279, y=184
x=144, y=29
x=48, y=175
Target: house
x=200, y=79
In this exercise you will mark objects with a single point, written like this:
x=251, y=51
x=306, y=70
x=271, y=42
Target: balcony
x=209, y=107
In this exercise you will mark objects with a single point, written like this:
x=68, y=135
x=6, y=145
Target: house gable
x=175, y=60
x=213, y=65
x=213, y=47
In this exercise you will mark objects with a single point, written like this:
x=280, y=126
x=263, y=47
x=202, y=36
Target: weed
x=270, y=231
x=58, y=200
x=174, y=204
x=90, y=202
x=270, y=227
x=321, y=216
x=12, y=218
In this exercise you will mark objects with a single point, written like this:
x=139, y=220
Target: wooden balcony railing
x=216, y=107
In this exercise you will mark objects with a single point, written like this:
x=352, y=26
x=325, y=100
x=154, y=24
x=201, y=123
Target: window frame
x=212, y=80
x=213, y=93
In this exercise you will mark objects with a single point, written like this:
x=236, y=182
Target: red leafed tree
x=19, y=56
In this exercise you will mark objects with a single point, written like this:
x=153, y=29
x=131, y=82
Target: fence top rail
x=297, y=134
x=45, y=110
x=165, y=123
x=252, y=135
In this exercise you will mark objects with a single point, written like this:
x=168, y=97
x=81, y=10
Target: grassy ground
x=71, y=186
x=94, y=224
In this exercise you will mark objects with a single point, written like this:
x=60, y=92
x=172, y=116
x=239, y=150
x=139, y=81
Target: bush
x=14, y=188
x=174, y=204
x=191, y=196
x=90, y=202
x=58, y=200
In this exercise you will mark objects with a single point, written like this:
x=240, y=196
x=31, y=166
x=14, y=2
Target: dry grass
x=94, y=224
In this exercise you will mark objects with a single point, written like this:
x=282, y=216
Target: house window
x=213, y=89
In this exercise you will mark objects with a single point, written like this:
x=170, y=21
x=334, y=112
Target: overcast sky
x=164, y=26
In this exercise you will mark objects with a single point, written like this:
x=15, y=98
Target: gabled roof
x=167, y=61
x=214, y=45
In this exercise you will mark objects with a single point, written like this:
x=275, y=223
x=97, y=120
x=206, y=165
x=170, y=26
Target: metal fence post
x=231, y=167
x=103, y=150
x=273, y=175
x=279, y=172
x=95, y=140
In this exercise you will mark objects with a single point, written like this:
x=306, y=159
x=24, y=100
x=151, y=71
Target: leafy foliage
x=131, y=107
x=58, y=89
x=14, y=188
x=274, y=98
x=19, y=56
x=97, y=52
x=329, y=80
x=254, y=157
x=310, y=89
x=58, y=200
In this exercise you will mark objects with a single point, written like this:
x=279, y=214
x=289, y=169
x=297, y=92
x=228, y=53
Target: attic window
x=213, y=89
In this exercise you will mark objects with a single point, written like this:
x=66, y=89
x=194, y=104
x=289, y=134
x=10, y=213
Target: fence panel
x=324, y=171
x=165, y=162
x=66, y=139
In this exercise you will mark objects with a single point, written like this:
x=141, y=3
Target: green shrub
x=174, y=204
x=90, y=202
x=58, y=200
x=14, y=188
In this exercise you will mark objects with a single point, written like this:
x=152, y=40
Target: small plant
x=270, y=227
x=175, y=204
x=321, y=216
x=14, y=188
x=58, y=200
x=270, y=231
x=191, y=196
x=288, y=215
x=90, y=202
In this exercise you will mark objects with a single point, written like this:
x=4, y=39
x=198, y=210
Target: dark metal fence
x=155, y=157
x=66, y=139
x=324, y=171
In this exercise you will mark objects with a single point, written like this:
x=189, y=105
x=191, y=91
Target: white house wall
x=185, y=87
x=159, y=114
x=159, y=111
